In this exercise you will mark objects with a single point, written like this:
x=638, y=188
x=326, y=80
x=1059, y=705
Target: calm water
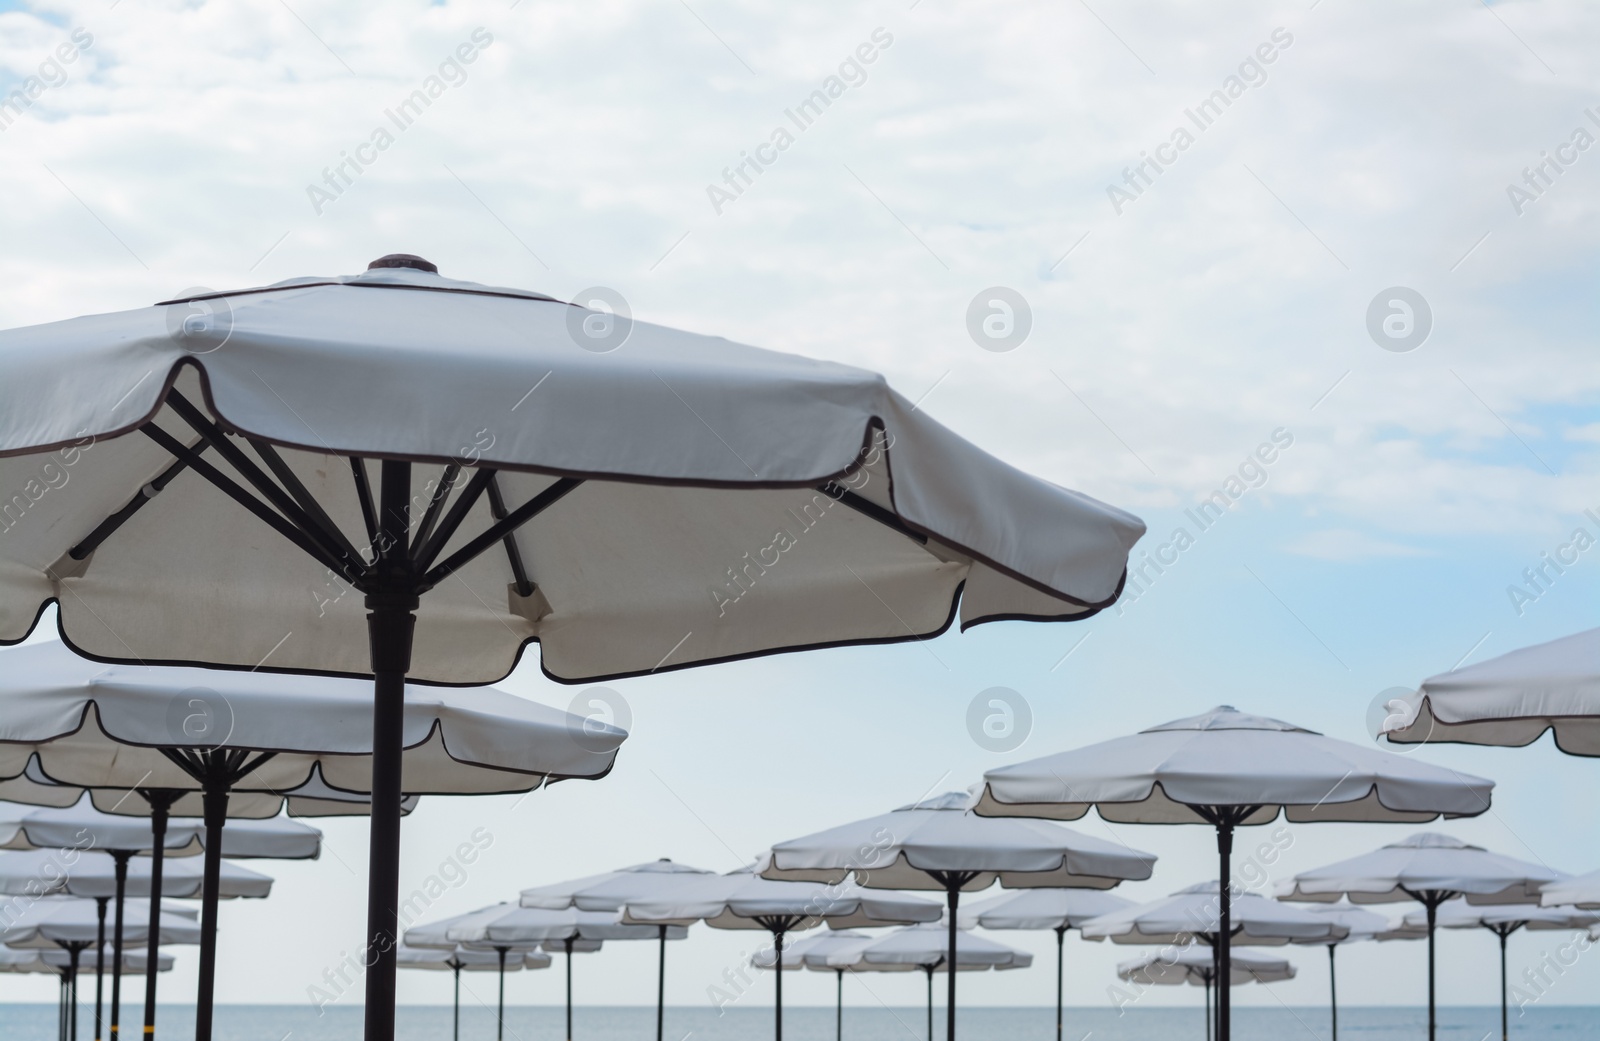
x=430, y=1023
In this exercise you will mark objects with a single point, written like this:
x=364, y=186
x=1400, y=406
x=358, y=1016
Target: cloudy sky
x=1180, y=314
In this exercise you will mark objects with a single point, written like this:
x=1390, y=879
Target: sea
x=810, y=1023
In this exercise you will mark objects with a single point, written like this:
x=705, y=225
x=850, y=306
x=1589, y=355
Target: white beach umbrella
x=236, y=744
x=570, y=930
x=64, y=963
x=927, y=947
x=1362, y=925
x=1196, y=913
x=1503, y=920
x=609, y=891
x=125, y=837
x=645, y=510
x=940, y=844
x=1175, y=966
x=466, y=959
x=1056, y=909
x=743, y=899
x=1430, y=869
x=1582, y=891
x=1510, y=700
x=1227, y=768
x=811, y=952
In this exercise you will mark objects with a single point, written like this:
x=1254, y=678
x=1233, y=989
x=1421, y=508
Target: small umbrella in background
x=242, y=744
x=1056, y=909
x=611, y=890
x=927, y=947
x=60, y=963
x=1176, y=966
x=101, y=876
x=1363, y=925
x=231, y=435
x=75, y=924
x=1430, y=869
x=440, y=960
x=1503, y=921
x=812, y=953
x=940, y=844
x=743, y=899
x=1228, y=769
x=570, y=931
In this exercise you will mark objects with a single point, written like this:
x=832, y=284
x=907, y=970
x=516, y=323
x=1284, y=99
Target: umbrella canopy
x=1425, y=863
x=924, y=947
x=1458, y=914
x=1582, y=891
x=94, y=874
x=1196, y=913
x=940, y=844
x=468, y=959
x=812, y=952
x=1197, y=968
x=134, y=962
x=1430, y=869
x=1228, y=768
x=513, y=925
x=58, y=920
x=610, y=890
x=635, y=517
x=1510, y=700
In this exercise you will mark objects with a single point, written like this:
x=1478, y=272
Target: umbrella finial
x=410, y=260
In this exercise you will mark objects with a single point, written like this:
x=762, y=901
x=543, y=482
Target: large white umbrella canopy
x=635, y=515
x=94, y=874
x=464, y=959
x=743, y=899
x=940, y=844
x=1058, y=910
x=53, y=921
x=246, y=743
x=1228, y=768
x=1198, y=968
x=609, y=891
x=1510, y=700
x=1431, y=869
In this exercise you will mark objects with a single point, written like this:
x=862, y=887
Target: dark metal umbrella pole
x=160, y=805
x=1225, y=819
x=1333, y=992
x=455, y=1029
x=661, y=983
x=500, y=1008
x=952, y=882
x=1503, y=930
x=120, y=860
x=99, y=965
x=838, y=1005
x=929, y=970
x=1430, y=899
x=569, y=942
x=1061, y=969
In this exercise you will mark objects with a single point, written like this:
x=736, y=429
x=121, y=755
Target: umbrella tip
x=410, y=260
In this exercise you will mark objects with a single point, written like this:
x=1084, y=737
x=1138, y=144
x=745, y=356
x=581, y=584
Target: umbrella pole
x=929, y=970
x=1433, y=916
x=1333, y=992
x=1061, y=968
x=160, y=803
x=661, y=982
x=1505, y=1031
x=99, y=965
x=838, y=1004
x=455, y=1031
x=777, y=960
x=73, y=953
x=570, y=940
x=120, y=858
x=391, y=620
x=1208, y=1007
x=214, y=799
x=953, y=897
x=1225, y=934
x=61, y=1008
x=500, y=1013
x=1211, y=1014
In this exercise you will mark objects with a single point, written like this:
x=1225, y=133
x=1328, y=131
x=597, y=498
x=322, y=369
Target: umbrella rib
x=107, y=527
x=369, y=513
x=441, y=492
x=498, y=530
x=303, y=496
x=497, y=506
x=285, y=503
x=839, y=493
x=423, y=555
x=243, y=498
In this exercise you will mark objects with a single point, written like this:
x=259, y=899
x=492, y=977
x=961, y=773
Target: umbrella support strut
x=160, y=801
x=99, y=965
x=120, y=859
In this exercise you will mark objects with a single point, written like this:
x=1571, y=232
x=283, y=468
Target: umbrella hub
x=410, y=260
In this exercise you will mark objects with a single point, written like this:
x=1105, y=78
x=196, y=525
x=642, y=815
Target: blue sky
x=1227, y=302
